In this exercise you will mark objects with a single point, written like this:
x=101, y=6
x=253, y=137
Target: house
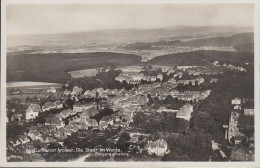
x=172, y=81
x=251, y=141
x=212, y=80
x=59, y=104
x=179, y=74
x=84, y=116
x=233, y=130
x=137, y=77
x=55, y=121
x=237, y=107
x=76, y=90
x=91, y=111
x=236, y=101
x=17, y=117
x=51, y=90
x=48, y=106
x=123, y=77
x=15, y=142
x=92, y=122
x=153, y=78
x=32, y=111
x=160, y=76
x=147, y=78
x=185, y=112
x=122, y=124
x=103, y=125
x=216, y=63
x=81, y=107
x=66, y=113
x=200, y=80
x=89, y=94
x=24, y=139
x=239, y=139
x=67, y=92
x=249, y=111
x=29, y=148
x=164, y=109
x=158, y=147
x=107, y=119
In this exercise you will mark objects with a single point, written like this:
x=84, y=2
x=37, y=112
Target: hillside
x=54, y=67
x=122, y=36
x=245, y=48
x=204, y=58
x=149, y=46
x=240, y=42
x=230, y=41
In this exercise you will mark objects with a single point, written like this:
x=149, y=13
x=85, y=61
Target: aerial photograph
x=135, y=82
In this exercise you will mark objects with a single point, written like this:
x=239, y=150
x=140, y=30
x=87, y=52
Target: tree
x=181, y=125
x=63, y=87
x=122, y=142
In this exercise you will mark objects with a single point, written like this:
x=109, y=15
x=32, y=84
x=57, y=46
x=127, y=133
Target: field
x=33, y=86
x=83, y=73
x=134, y=69
x=28, y=84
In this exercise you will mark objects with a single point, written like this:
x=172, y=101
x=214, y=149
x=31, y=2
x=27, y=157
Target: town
x=148, y=118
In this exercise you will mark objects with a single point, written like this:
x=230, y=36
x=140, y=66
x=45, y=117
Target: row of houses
x=233, y=67
x=135, y=78
x=33, y=110
x=198, y=80
x=246, y=105
x=232, y=131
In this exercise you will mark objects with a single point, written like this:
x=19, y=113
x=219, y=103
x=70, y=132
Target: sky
x=65, y=18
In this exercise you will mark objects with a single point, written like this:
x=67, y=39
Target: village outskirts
x=151, y=113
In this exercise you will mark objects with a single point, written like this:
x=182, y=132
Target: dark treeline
x=105, y=80
x=204, y=58
x=55, y=67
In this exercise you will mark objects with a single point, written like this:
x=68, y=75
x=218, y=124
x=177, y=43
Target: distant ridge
x=121, y=35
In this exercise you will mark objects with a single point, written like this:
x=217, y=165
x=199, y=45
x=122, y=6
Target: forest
x=204, y=58
x=55, y=67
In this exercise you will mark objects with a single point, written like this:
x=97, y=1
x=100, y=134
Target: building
x=249, y=111
x=185, y=67
x=76, y=91
x=153, y=78
x=160, y=76
x=32, y=111
x=185, y=112
x=81, y=107
x=179, y=74
x=236, y=101
x=48, y=106
x=164, y=109
x=52, y=90
x=233, y=130
x=17, y=117
x=200, y=80
x=216, y=63
x=158, y=147
x=59, y=104
x=213, y=80
x=237, y=107
x=172, y=81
